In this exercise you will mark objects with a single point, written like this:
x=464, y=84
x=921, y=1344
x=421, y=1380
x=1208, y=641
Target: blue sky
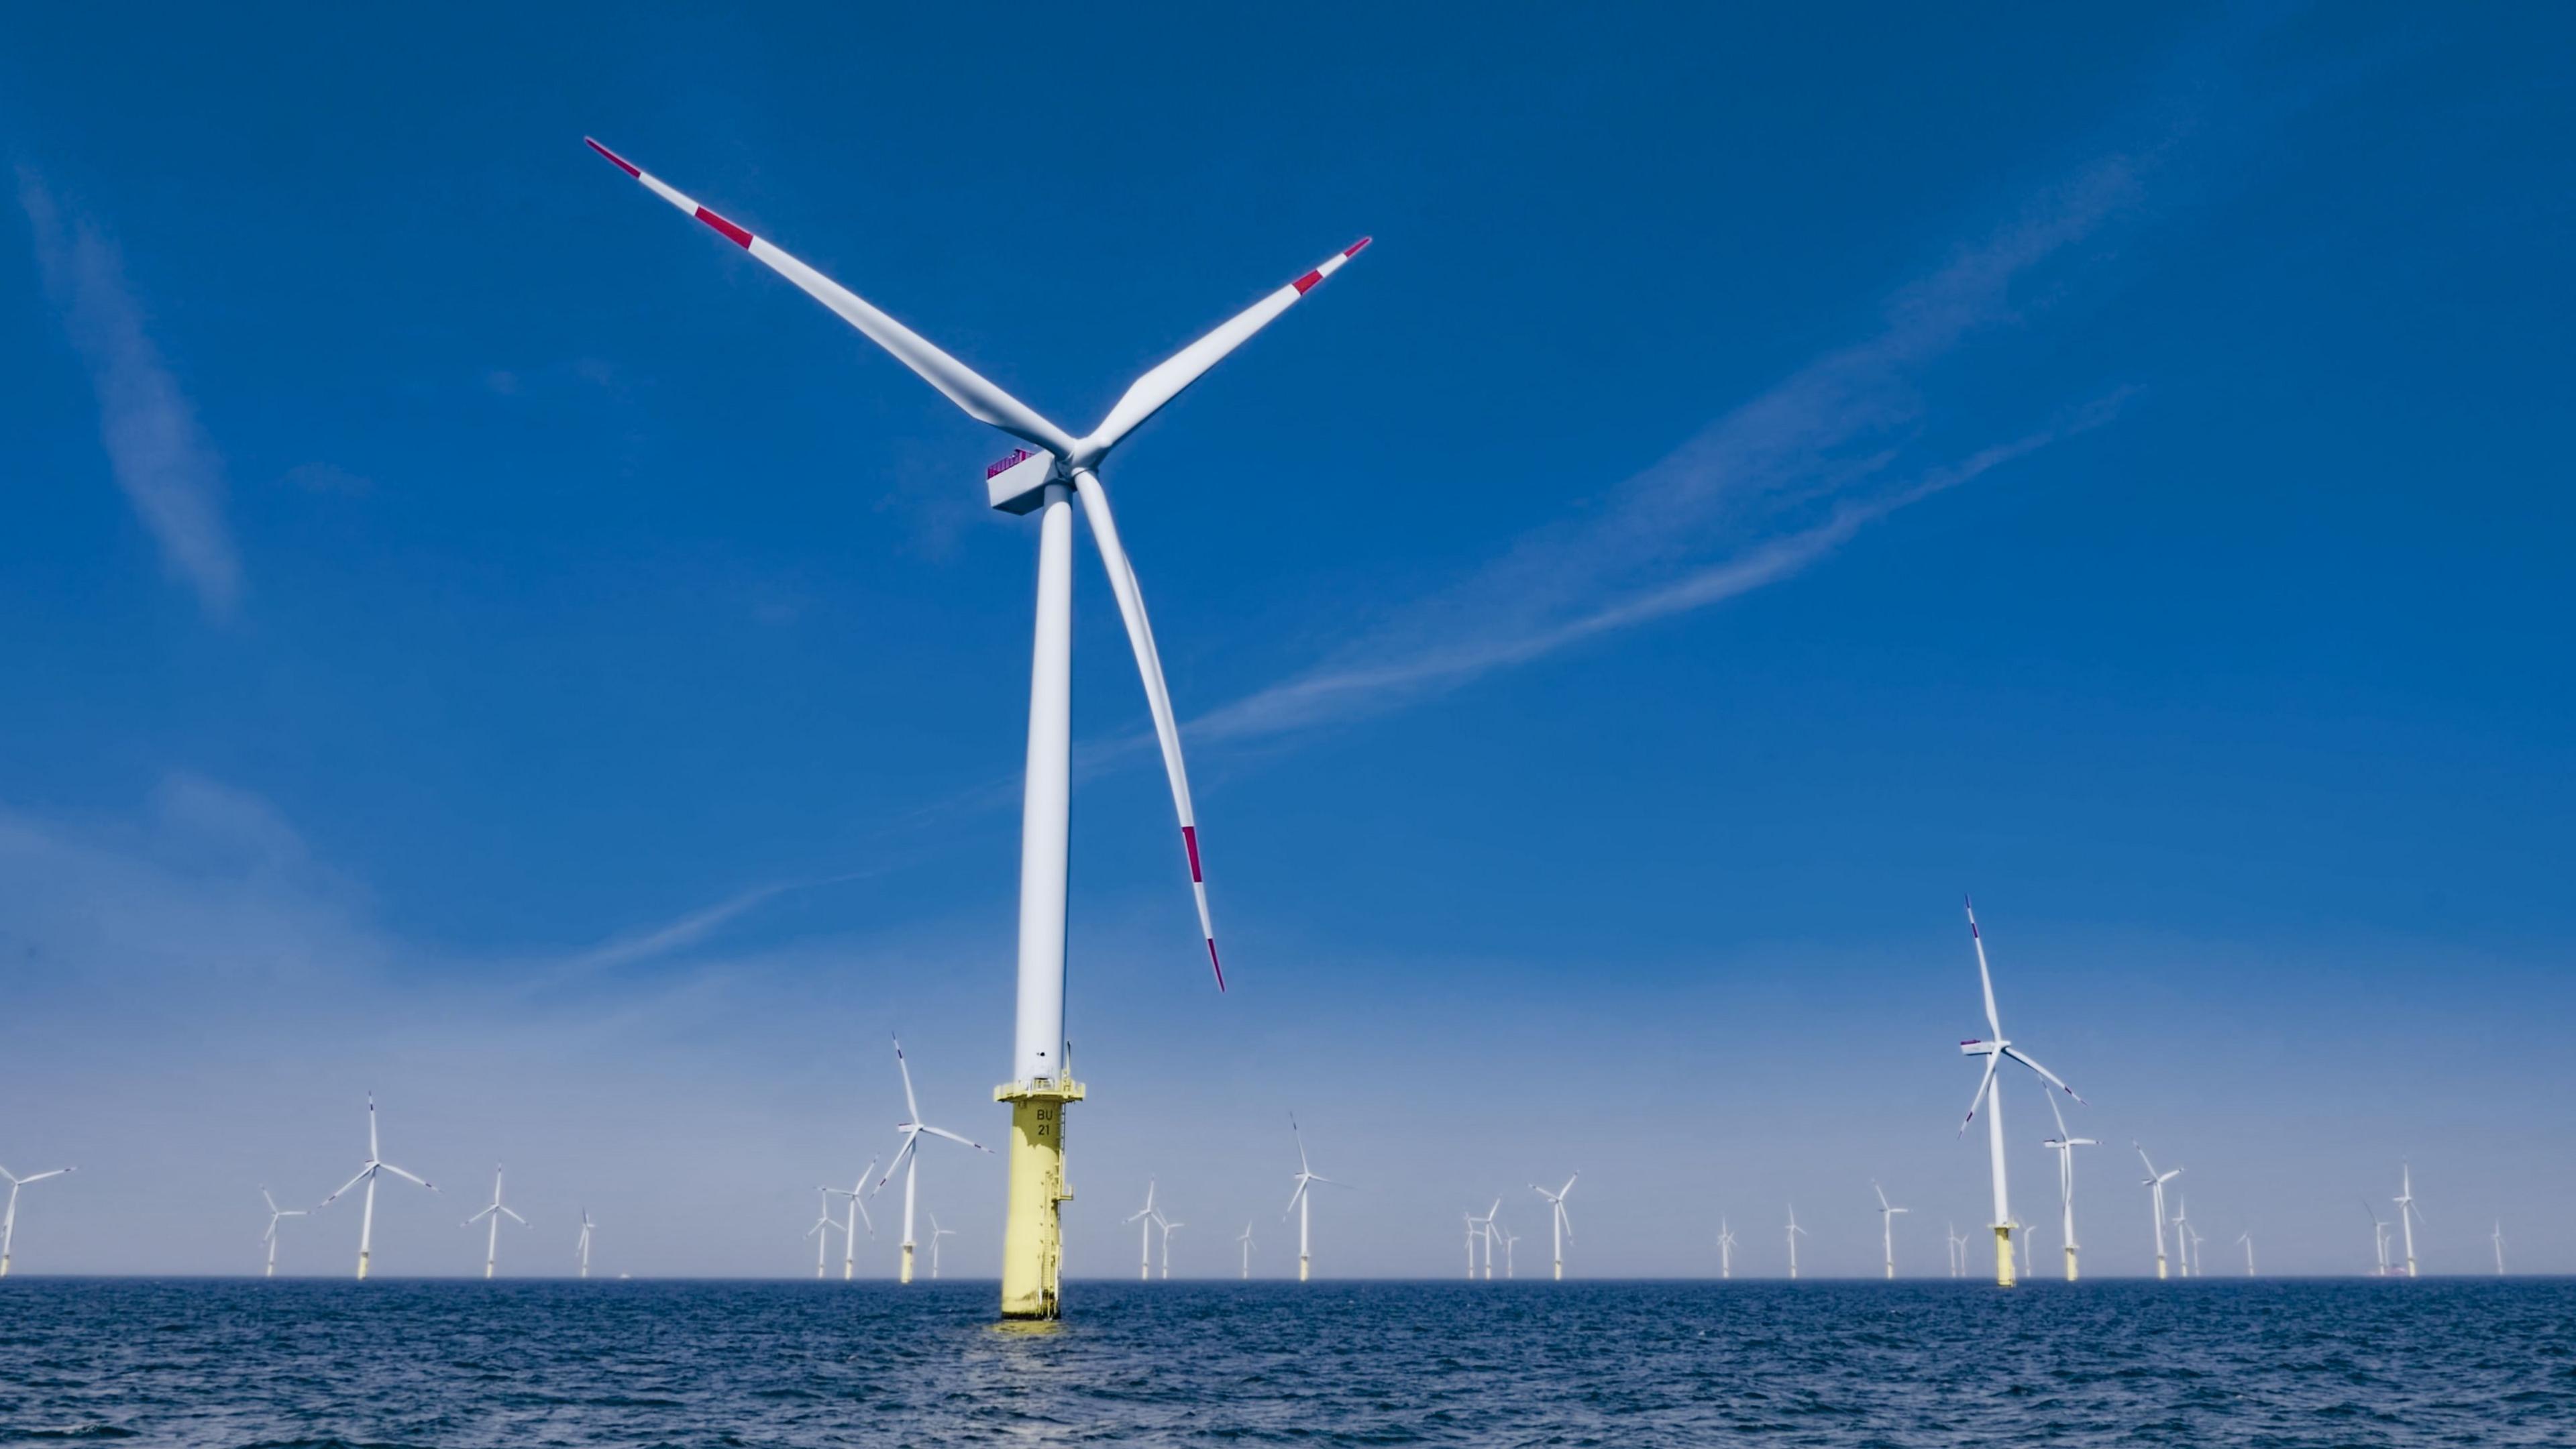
x=478, y=637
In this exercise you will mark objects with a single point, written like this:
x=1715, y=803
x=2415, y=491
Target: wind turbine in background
x=2199, y=1259
x=1564, y=1226
x=2497, y=1238
x=1307, y=1176
x=850, y=1226
x=2182, y=1240
x=1958, y=1252
x=1511, y=1240
x=1794, y=1231
x=9, y=1217
x=1144, y=1218
x=1887, y=1226
x=907, y=1158
x=1245, y=1238
x=821, y=1232
x=936, y=1233
x=2247, y=1238
x=1468, y=1220
x=2408, y=1215
x=367, y=1174
x=2155, y=1185
x=492, y=1241
x=2378, y=1234
x=1995, y=1051
x=1483, y=1228
x=583, y=1246
x=1046, y=481
x=1725, y=1250
x=275, y=1214
x=2064, y=1145
x=1169, y=1227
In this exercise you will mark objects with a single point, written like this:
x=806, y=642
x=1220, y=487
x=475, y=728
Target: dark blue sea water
x=2467, y=1361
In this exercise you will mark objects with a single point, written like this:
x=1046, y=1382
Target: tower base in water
x=902, y=1275
x=362, y=1265
x=2070, y=1264
x=2003, y=1255
x=1032, y=1235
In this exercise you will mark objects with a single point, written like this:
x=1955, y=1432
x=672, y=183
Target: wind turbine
x=1483, y=1228
x=583, y=1246
x=2199, y=1258
x=275, y=1213
x=850, y=1225
x=1794, y=1231
x=367, y=1174
x=2064, y=1145
x=1995, y=1051
x=2378, y=1234
x=1958, y=1251
x=1511, y=1240
x=824, y=1222
x=9, y=1218
x=2408, y=1215
x=2155, y=1185
x=1556, y=1214
x=2182, y=1242
x=1469, y=1220
x=1144, y=1218
x=936, y=1233
x=1045, y=476
x=907, y=1158
x=492, y=1243
x=1169, y=1227
x=2247, y=1238
x=1307, y=1176
x=1887, y=1226
x=1725, y=1250
x=2497, y=1237
x=1245, y=1238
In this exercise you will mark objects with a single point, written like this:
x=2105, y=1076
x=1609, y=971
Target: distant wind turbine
x=1169, y=1227
x=1511, y=1240
x=2408, y=1215
x=1483, y=1229
x=936, y=1233
x=2378, y=1234
x=1958, y=1251
x=1995, y=1051
x=907, y=1158
x=1245, y=1238
x=492, y=1240
x=367, y=1174
x=1307, y=1176
x=2182, y=1228
x=9, y=1218
x=1556, y=1213
x=1143, y=1217
x=2155, y=1185
x=1794, y=1231
x=821, y=1232
x=1725, y=1249
x=850, y=1225
x=582, y=1247
x=2247, y=1238
x=2064, y=1145
x=1887, y=1226
x=275, y=1213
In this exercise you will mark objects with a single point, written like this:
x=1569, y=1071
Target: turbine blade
x=478, y=1217
x=1158, y=693
x=953, y=1137
x=1292, y=1200
x=1985, y=978
x=901, y=1155
x=514, y=1217
x=962, y=385
x=2051, y=1077
x=1146, y=396
x=398, y=1172
x=344, y=1187
x=912, y=1108
x=1985, y=1084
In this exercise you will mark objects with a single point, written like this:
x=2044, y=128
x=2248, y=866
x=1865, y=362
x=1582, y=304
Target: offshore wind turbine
x=1169, y=1227
x=2199, y=1259
x=2182, y=1241
x=9, y=1216
x=1887, y=1226
x=2247, y=1238
x=850, y=1225
x=1468, y=1220
x=1995, y=1050
x=492, y=1243
x=275, y=1215
x=2378, y=1234
x=936, y=1233
x=1725, y=1250
x=2064, y=1145
x=1045, y=476
x=824, y=1222
x=2497, y=1237
x=1483, y=1228
x=582, y=1246
x=907, y=1158
x=1794, y=1231
x=1245, y=1238
x=1958, y=1252
x=1556, y=1215
x=1511, y=1240
x=2155, y=1186
x=2407, y=1213
x=376, y=1164
x=1144, y=1218
x=1307, y=1176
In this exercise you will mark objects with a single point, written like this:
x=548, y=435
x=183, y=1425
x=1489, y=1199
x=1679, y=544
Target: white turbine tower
x=1725, y=1250
x=1887, y=1226
x=1307, y=1176
x=907, y=1158
x=1169, y=1227
x=1988, y=1093
x=1482, y=1229
x=9, y=1216
x=2497, y=1238
x=2378, y=1235
x=2155, y=1186
x=850, y=1225
x=2182, y=1233
x=936, y=1233
x=821, y=1231
x=2247, y=1238
x=1468, y=1219
x=2408, y=1215
x=375, y=1164
x=275, y=1214
x=1245, y=1238
x=1511, y=1240
x=582, y=1246
x=1044, y=477
x=492, y=1240
x=1794, y=1231
x=2064, y=1145
x=1562, y=1225
x=1143, y=1217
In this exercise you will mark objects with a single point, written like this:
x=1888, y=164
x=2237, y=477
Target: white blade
x=1148, y=394
x=1985, y=1084
x=911, y=1107
x=398, y=1172
x=264, y=1197
x=953, y=1137
x=478, y=1217
x=41, y=1176
x=2051, y=1077
x=1158, y=694
x=961, y=384
x=911, y=1139
x=1292, y=1199
x=344, y=1187
x=514, y=1217
x=1985, y=978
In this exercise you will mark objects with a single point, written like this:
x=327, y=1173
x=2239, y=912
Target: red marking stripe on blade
x=732, y=233
x=1215, y=965
x=1357, y=247
x=1190, y=838
x=1306, y=283
x=620, y=162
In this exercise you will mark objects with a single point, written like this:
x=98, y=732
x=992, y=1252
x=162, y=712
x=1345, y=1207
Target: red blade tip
x=1354, y=249
x=622, y=164
x=1214, y=965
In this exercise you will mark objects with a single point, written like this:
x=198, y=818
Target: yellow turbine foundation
x=4, y=1267
x=1032, y=1233
x=362, y=1267
x=904, y=1275
x=2070, y=1263
x=1301, y=1267
x=2003, y=1255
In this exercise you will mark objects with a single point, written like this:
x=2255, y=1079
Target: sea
x=315, y=1364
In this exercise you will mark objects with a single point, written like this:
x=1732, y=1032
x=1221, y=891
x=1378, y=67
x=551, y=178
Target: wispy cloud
x=1769, y=489
x=155, y=449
